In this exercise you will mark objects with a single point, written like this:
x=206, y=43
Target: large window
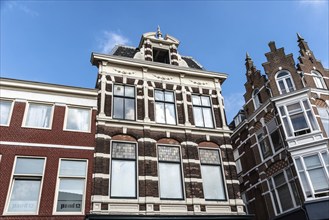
x=25, y=190
x=237, y=160
x=202, y=111
x=275, y=134
x=123, y=170
x=38, y=115
x=313, y=173
x=71, y=186
x=170, y=174
x=165, y=107
x=264, y=145
x=284, y=82
x=5, y=111
x=78, y=119
x=318, y=80
x=256, y=98
x=324, y=115
x=298, y=118
x=283, y=191
x=212, y=177
x=124, y=102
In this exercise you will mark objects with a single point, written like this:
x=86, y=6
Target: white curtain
x=38, y=116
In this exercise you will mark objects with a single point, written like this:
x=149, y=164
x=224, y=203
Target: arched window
x=318, y=80
x=284, y=82
x=256, y=98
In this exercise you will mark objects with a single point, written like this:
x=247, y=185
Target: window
x=324, y=115
x=202, y=111
x=38, y=115
x=256, y=98
x=26, y=186
x=284, y=82
x=264, y=145
x=5, y=111
x=275, y=134
x=313, y=174
x=161, y=55
x=78, y=119
x=165, y=107
x=123, y=170
x=71, y=186
x=237, y=161
x=212, y=177
x=283, y=191
x=124, y=102
x=298, y=118
x=318, y=80
x=170, y=174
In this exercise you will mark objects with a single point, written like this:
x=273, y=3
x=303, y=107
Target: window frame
x=161, y=49
x=318, y=80
x=237, y=159
x=266, y=142
x=270, y=132
x=256, y=98
x=12, y=103
x=165, y=102
x=120, y=159
x=221, y=167
x=124, y=98
x=326, y=129
x=28, y=177
x=26, y=112
x=202, y=107
x=58, y=178
x=182, y=182
x=77, y=107
x=284, y=79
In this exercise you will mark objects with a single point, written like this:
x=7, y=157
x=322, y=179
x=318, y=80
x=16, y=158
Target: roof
x=192, y=63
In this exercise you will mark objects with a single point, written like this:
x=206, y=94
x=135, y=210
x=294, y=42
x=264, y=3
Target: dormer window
x=284, y=82
x=160, y=55
x=318, y=80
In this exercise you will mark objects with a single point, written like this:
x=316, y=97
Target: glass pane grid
x=209, y=156
x=123, y=151
x=170, y=154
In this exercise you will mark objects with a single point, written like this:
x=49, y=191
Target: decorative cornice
x=163, y=77
x=199, y=83
x=124, y=72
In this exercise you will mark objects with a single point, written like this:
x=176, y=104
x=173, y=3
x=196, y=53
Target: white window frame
x=237, y=159
x=77, y=107
x=222, y=173
x=55, y=212
x=124, y=98
x=263, y=139
x=326, y=129
x=274, y=190
x=270, y=132
x=165, y=102
x=308, y=178
x=181, y=171
x=284, y=80
x=255, y=98
x=38, y=103
x=10, y=111
x=202, y=107
x=136, y=171
x=318, y=80
x=11, y=185
x=304, y=112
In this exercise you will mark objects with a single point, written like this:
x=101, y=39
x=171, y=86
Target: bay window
x=165, y=107
x=124, y=102
x=202, y=111
x=284, y=82
x=38, y=115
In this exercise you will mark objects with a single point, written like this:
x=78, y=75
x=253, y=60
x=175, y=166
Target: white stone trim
x=25, y=144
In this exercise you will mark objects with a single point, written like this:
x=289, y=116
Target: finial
x=247, y=56
x=158, y=34
x=299, y=37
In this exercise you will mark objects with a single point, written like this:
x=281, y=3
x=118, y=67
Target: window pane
x=318, y=82
x=205, y=101
x=78, y=119
x=38, y=116
x=123, y=150
x=298, y=122
x=312, y=120
x=294, y=108
x=276, y=140
x=170, y=114
x=207, y=118
x=166, y=153
x=118, y=90
x=159, y=95
x=209, y=156
x=285, y=197
x=73, y=168
x=196, y=100
x=287, y=127
x=279, y=179
x=118, y=108
x=282, y=74
x=198, y=120
x=282, y=87
x=29, y=166
x=212, y=182
x=159, y=112
x=70, y=195
x=170, y=181
x=129, y=91
x=299, y=165
x=324, y=115
x=305, y=184
x=169, y=96
x=24, y=196
x=282, y=111
x=312, y=161
x=290, y=86
x=265, y=148
x=319, y=179
x=123, y=178
x=5, y=107
x=130, y=109
x=325, y=158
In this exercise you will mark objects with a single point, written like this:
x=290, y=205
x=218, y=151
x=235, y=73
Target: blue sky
x=51, y=41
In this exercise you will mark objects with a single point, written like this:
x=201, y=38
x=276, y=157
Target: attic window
x=160, y=55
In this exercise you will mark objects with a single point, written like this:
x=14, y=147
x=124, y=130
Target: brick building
x=46, y=150
x=162, y=144
x=280, y=138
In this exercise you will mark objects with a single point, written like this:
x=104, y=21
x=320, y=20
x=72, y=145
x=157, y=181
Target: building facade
x=280, y=138
x=162, y=144
x=46, y=150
